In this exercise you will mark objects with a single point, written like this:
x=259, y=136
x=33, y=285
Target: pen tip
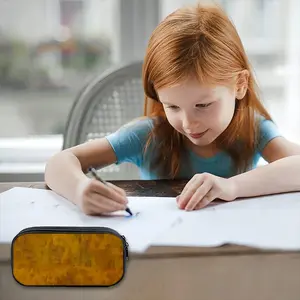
x=129, y=211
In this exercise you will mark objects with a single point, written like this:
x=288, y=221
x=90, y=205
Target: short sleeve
x=128, y=142
x=268, y=130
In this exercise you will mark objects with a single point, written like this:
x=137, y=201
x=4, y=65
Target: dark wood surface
x=142, y=188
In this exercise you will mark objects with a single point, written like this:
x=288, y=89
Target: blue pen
x=93, y=171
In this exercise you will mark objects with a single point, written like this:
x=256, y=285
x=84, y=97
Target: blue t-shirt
x=128, y=144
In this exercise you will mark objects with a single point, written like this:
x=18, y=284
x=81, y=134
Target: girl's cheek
x=173, y=120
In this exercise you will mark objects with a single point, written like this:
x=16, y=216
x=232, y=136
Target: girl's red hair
x=199, y=41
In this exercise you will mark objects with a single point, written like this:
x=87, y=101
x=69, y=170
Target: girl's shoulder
x=128, y=141
x=267, y=130
x=266, y=126
x=137, y=129
x=142, y=123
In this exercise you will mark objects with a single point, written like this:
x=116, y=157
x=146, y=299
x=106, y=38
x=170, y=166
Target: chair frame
x=79, y=109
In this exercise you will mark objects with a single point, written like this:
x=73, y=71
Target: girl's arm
x=282, y=174
x=66, y=170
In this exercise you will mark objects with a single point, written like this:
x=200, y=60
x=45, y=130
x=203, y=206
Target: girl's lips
x=197, y=135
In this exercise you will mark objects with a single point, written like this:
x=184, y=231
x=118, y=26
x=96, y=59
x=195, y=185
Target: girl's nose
x=189, y=123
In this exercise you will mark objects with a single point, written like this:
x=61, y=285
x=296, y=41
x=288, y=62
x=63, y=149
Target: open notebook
x=263, y=222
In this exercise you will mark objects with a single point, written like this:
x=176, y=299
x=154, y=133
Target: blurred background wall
x=50, y=48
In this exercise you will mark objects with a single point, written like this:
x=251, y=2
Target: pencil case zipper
x=62, y=229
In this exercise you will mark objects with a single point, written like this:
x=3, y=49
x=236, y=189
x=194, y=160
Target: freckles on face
x=194, y=108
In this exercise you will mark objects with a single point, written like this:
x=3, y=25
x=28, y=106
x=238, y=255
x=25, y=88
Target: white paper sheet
x=269, y=222
x=25, y=207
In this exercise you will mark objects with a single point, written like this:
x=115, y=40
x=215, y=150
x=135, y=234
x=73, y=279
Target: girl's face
x=201, y=113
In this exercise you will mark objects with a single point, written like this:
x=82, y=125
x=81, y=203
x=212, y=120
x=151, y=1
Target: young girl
x=207, y=124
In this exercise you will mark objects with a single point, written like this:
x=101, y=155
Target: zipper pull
x=126, y=248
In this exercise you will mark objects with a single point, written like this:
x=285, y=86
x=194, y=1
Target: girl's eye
x=204, y=105
x=172, y=107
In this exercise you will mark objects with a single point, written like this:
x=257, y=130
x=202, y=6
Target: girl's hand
x=204, y=188
x=93, y=197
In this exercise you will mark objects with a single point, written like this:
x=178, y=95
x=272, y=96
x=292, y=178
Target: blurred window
x=49, y=49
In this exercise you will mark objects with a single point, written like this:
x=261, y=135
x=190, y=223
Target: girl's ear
x=242, y=84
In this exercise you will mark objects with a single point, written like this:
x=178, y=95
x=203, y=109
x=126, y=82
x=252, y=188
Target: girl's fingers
x=108, y=192
x=198, y=196
x=102, y=204
x=187, y=195
x=187, y=186
x=208, y=198
x=117, y=189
